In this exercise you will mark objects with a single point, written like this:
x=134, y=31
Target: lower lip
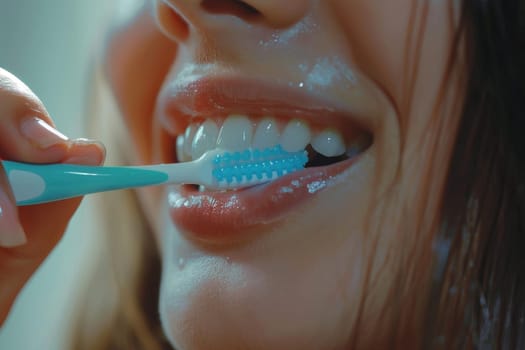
x=215, y=217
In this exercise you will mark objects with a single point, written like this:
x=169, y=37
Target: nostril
x=233, y=7
x=171, y=23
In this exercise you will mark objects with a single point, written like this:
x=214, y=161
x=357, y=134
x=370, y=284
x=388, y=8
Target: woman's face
x=308, y=261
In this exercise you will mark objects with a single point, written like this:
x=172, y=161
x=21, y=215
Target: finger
x=27, y=134
x=43, y=233
x=44, y=224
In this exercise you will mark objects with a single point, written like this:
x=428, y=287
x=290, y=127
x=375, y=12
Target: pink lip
x=232, y=216
x=214, y=97
x=216, y=217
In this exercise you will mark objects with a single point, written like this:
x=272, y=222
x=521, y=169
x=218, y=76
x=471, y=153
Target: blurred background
x=52, y=45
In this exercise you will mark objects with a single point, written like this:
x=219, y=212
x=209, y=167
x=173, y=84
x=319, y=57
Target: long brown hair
x=477, y=295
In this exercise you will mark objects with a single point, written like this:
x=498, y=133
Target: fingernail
x=41, y=133
x=89, y=152
x=11, y=232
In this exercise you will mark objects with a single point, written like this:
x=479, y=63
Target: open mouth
x=203, y=111
x=325, y=145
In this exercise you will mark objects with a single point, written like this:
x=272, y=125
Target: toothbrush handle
x=40, y=183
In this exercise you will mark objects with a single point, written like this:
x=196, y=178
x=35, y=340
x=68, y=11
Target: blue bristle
x=228, y=174
x=247, y=170
x=267, y=153
x=218, y=173
x=258, y=172
x=251, y=165
x=268, y=167
x=226, y=157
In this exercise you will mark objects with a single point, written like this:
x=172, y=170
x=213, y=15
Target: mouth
x=231, y=115
x=324, y=145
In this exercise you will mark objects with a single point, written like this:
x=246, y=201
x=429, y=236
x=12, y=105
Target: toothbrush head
x=233, y=170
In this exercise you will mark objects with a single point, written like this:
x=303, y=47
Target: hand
x=28, y=234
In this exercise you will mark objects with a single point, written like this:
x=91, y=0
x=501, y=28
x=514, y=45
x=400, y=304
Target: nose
x=178, y=18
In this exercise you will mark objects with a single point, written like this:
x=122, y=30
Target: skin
x=322, y=277
x=306, y=282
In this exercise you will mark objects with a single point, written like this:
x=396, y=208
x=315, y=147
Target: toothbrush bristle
x=251, y=167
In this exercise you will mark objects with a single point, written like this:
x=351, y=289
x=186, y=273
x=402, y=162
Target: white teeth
x=236, y=133
x=266, y=134
x=189, y=134
x=181, y=156
x=296, y=136
x=205, y=139
x=329, y=143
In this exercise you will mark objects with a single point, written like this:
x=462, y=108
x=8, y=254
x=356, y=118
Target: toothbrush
x=216, y=169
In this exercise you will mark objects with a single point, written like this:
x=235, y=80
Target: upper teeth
x=238, y=132
x=205, y=138
x=266, y=134
x=296, y=135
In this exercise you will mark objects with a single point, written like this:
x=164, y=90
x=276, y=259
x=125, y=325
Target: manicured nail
x=41, y=133
x=11, y=232
x=88, y=152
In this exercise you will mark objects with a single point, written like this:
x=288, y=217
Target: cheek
x=138, y=57
x=376, y=32
x=403, y=46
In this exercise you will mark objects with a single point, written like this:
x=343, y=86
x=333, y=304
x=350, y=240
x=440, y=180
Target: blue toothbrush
x=40, y=183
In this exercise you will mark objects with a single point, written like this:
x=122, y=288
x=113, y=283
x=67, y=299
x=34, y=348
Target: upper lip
x=204, y=95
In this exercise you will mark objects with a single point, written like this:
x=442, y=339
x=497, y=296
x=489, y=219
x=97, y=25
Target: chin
x=237, y=312
x=256, y=296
